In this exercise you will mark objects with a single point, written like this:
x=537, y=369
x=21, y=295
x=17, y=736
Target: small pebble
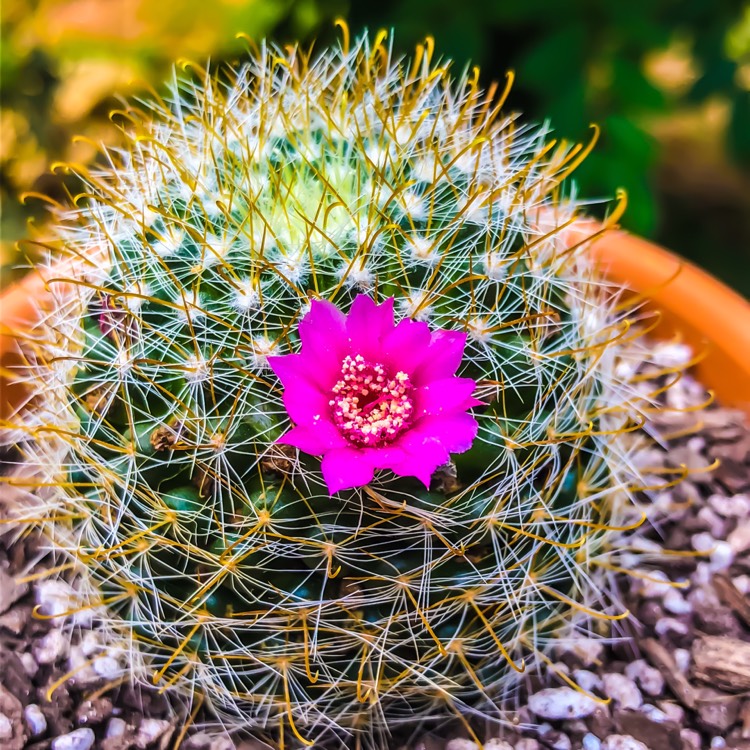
x=717, y=743
x=647, y=677
x=562, y=703
x=676, y=603
x=622, y=742
x=691, y=740
x=29, y=664
x=115, y=728
x=653, y=713
x=716, y=526
x=107, y=667
x=587, y=650
x=739, y=539
x=742, y=584
x=591, y=742
x=35, y=719
x=655, y=585
x=79, y=739
x=737, y=506
x=703, y=542
x=222, y=742
x=588, y=681
x=670, y=625
x=527, y=743
x=560, y=741
x=673, y=711
x=150, y=730
x=458, y=743
x=722, y=556
x=6, y=728
x=622, y=691
x=682, y=659
x=51, y=647
x=497, y=744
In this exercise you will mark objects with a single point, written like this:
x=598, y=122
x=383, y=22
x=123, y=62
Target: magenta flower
x=369, y=394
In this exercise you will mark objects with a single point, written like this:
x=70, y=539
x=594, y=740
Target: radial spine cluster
x=216, y=553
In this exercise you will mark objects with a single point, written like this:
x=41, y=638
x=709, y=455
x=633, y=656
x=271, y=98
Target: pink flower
x=369, y=394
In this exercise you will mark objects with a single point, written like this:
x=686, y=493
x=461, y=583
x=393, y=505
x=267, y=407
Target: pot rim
x=693, y=307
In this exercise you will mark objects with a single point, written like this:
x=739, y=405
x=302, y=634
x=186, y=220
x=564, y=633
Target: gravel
x=690, y=584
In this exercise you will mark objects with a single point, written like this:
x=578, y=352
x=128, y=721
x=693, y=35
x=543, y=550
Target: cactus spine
x=217, y=554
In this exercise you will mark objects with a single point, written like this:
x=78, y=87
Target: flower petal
x=424, y=453
x=344, y=468
x=444, y=396
x=368, y=324
x=324, y=339
x=442, y=357
x=406, y=345
x=305, y=402
x=314, y=438
x=454, y=431
x=289, y=368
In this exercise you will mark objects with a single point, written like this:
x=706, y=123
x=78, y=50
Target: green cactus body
x=221, y=555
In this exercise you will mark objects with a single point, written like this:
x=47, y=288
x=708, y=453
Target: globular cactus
x=236, y=279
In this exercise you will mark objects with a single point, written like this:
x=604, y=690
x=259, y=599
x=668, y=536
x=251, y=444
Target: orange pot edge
x=695, y=307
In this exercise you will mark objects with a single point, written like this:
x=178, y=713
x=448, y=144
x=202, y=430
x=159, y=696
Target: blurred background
x=668, y=82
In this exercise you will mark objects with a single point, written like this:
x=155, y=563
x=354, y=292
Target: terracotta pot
x=695, y=308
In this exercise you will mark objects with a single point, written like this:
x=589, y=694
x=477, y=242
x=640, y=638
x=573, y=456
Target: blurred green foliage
x=634, y=68
x=584, y=61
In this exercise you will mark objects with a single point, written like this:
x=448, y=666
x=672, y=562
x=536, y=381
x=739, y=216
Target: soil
x=677, y=677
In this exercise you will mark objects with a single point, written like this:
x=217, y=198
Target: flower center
x=369, y=408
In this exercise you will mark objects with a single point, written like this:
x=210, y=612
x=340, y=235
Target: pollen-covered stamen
x=370, y=408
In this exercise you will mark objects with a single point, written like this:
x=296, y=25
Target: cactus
x=208, y=538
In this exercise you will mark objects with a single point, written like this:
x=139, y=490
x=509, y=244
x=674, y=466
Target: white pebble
x=622, y=691
x=6, y=728
x=718, y=742
x=742, y=583
x=716, y=525
x=78, y=739
x=691, y=740
x=622, y=742
x=682, y=659
x=650, y=680
x=655, y=585
x=653, y=713
x=151, y=729
x=51, y=647
x=527, y=743
x=669, y=624
x=55, y=599
x=737, y=506
x=90, y=643
x=222, y=742
x=107, y=667
x=562, y=742
x=586, y=680
x=497, y=744
x=673, y=711
x=676, y=603
x=739, y=539
x=591, y=742
x=29, y=663
x=703, y=542
x=458, y=743
x=116, y=728
x=35, y=719
x=722, y=556
x=587, y=650
x=703, y=575
x=562, y=703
